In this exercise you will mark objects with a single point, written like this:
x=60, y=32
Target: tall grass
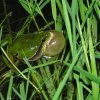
x=72, y=75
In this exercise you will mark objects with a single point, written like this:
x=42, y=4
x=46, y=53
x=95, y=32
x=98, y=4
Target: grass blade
x=95, y=87
x=1, y=96
x=68, y=26
x=9, y=93
x=74, y=5
x=62, y=83
x=54, y=12
x=22, y=91
x=84, y=47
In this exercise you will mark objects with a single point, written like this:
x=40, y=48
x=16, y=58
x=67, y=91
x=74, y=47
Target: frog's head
x=52, y=45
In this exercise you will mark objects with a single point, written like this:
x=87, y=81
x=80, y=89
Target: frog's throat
x=47, y=42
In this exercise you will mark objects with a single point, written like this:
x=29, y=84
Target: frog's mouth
x=38, y=55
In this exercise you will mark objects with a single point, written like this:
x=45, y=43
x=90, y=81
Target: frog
x=34, y=46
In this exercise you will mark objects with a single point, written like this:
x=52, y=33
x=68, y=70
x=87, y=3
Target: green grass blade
x=59, y=23
x=94, y=30
x=9, y=92
x=32, y=95
x=49, y=82
x=54, y=12
x=74, y=5
x=97, y=10
x=89, y=90
x=85, y=73
x=60, y=7
x=89, y=10
x=44, y=4
x=17, y=93
x=95, y=87
x=84, y=47
x=1, y=96
x=81, y=8
x=97, y=54
x=27, y=85
x=18, y=70
x=24, y=5
x=62, y=83
x=22, y=91
x=89, y=97
x=88, y=75
x=67, y=24
x=79, y=88
x=35, y=78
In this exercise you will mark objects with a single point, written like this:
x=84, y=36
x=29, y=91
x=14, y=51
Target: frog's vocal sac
x=34, y=46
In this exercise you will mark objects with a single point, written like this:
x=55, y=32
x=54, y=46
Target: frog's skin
x=33, y=46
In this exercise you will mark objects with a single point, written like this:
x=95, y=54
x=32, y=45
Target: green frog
x=34, y=46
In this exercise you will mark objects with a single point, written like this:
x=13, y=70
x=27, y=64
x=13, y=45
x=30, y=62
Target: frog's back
x=26, y=44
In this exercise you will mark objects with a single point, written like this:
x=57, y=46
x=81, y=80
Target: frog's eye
x=44, y=38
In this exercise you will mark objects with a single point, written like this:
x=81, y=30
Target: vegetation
x=74, y=74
